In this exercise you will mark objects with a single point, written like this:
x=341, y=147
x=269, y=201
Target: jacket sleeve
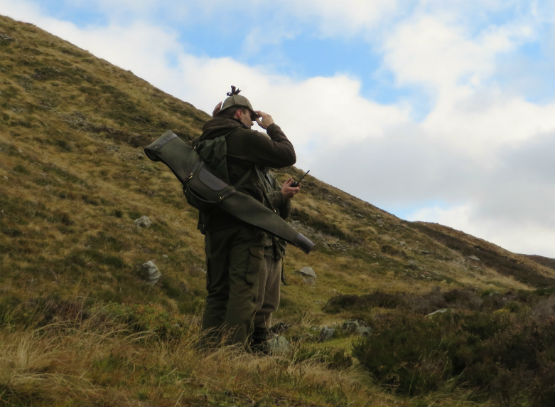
x=273, y=150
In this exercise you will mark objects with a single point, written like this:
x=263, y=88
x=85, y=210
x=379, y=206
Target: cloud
x=492, y=200
x=526, y=237
x=345, y=18
x=479, y=123
x=318, y=113
x=433, y=51
x=470, y=111
x=259, y=38
x=21, y=10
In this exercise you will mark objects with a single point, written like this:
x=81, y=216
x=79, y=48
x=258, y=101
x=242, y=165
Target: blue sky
x=433, y=110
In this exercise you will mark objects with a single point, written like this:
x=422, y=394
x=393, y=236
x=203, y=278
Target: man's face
x=245, y=117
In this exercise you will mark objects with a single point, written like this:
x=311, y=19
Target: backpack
x=204, y=190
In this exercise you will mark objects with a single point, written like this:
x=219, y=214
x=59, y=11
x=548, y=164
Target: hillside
x=75, y=308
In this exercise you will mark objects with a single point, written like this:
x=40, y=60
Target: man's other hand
x=264, y=119
x=287, y=190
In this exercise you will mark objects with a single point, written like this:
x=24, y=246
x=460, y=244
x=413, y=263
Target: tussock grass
x=100, y=361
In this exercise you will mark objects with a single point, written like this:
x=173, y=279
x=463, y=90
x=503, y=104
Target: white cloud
x=20, y=10
x=524, y=237
x=433, y=51
x=479, y=123
x=471, y=112
x=124, y=10
x=320, y=111
x=341, y=18
x=260, y=37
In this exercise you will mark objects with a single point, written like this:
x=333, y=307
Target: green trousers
x=268, y=292
x=243, y=284
x=235, y=262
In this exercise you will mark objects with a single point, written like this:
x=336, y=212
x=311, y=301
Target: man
x=269, y=289
x=237, y=275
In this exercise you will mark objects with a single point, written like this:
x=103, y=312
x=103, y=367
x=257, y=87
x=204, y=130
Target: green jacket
x=282, y=206
x=240, y=156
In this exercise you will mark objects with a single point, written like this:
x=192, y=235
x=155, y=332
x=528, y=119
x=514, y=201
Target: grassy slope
x=73, y=179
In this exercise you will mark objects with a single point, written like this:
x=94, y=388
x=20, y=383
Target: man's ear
x=237, y=114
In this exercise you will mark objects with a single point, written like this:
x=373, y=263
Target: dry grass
x=69, y=362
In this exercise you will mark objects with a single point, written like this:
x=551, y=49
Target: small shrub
x=405, y=354
x=21, y=169
x=502, y=356
x=363, y=302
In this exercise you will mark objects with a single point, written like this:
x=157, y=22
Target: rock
x=350, y=326
x=278, y=345
x=307, y=272
x=150, y=272
x=143, y=222
x=364, y=330
x=326, y=333
x=474, y=258
x=5, y=38
x=356, y=327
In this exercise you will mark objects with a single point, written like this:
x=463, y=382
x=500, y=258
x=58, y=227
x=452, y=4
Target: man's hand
x=287, y=190
x=264, y=119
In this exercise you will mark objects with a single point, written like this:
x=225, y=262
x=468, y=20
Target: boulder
x=364, y=330
x=356, y=327
x=308, y=272
x=143, y=222
x=278, y=345
x=326, y=333
x=150, y=272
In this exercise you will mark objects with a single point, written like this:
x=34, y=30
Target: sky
x=433, y=110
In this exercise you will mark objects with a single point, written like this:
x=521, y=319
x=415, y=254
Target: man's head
x=234, y=100
x=245, y=116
